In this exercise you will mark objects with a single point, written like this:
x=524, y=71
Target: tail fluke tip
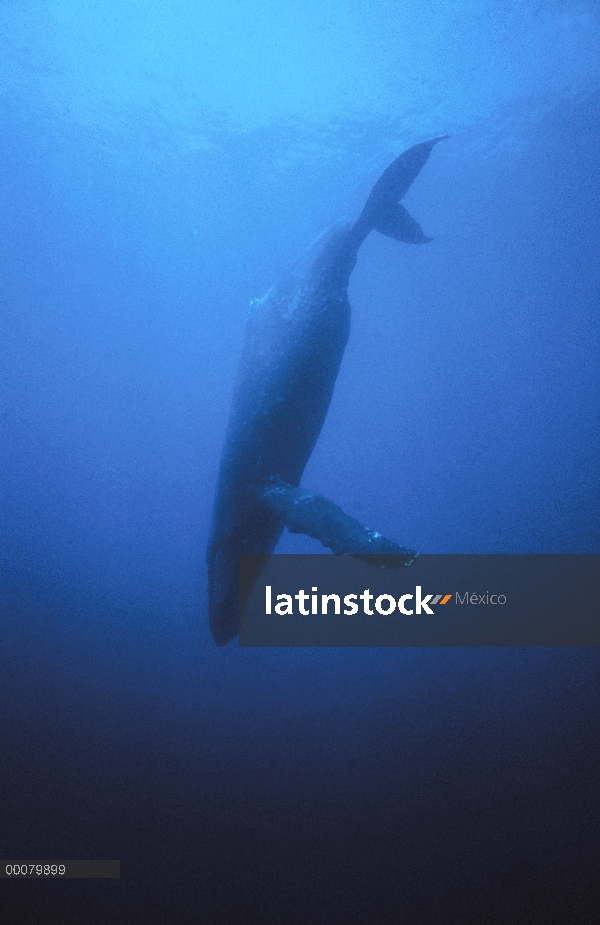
x=434, y=141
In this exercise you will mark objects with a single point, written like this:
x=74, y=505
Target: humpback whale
x=295, y=339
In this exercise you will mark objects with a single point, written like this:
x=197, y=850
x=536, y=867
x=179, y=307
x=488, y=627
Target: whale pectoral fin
x=305, y=512
x=396, y=222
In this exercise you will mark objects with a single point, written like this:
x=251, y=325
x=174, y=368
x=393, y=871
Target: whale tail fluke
x=396, y=222
x=382, y=210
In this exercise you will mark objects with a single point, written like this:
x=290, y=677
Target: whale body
x=294, y=343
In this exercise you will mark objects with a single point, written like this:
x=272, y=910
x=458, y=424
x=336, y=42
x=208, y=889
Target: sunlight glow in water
x=246, y=63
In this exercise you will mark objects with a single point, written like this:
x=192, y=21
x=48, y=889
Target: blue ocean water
x=162, y=165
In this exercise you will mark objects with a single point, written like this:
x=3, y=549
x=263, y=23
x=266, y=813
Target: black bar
x=480, y=600
x=59, y=870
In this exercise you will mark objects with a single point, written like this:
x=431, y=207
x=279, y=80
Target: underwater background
x=162, y=164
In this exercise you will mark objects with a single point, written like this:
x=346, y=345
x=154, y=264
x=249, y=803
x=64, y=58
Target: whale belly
x=290, y=362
